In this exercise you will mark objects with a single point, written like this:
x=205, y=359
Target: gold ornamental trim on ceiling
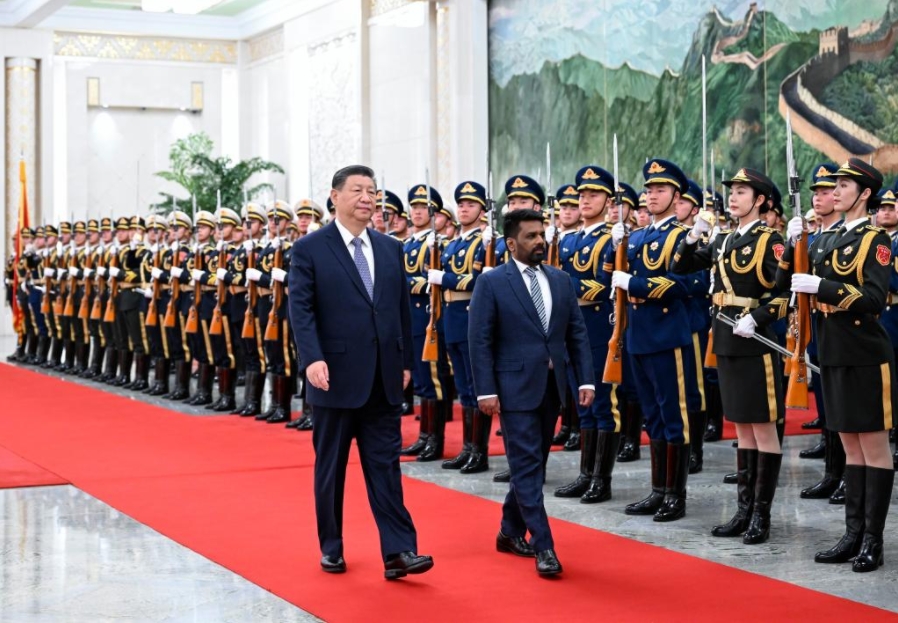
x=265, y=45
x=379, y=7
x=144, y=48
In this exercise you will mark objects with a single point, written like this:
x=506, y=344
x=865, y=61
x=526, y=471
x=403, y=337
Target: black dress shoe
x=516, y=545
x=730, y=479
x=547, y=563
x=503, y=476
x=333, y=564
x=838, y=496
x=401, y=565
x=816, y=452
x=813, y=424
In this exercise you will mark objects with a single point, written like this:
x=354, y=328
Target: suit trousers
x=528, y=437
x=376, y=429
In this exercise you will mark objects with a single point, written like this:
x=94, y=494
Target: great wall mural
x=572, y=75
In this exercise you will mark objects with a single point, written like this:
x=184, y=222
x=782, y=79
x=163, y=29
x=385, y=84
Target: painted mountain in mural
x=576, y=105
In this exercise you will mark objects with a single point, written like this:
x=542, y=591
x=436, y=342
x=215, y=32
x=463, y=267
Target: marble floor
x=68, y=557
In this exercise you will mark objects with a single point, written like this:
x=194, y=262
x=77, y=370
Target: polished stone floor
x=69, y=557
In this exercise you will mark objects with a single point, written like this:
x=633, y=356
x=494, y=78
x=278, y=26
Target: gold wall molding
x=20, y=118
x=265, y=45
x=379, y=7
x=94, y=45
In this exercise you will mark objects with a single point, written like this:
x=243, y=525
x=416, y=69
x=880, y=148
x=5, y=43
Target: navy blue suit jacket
x=334, y=320
x=510, y=352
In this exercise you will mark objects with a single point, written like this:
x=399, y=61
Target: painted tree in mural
x=202, y=176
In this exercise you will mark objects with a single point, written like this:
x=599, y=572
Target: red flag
x=18, y=315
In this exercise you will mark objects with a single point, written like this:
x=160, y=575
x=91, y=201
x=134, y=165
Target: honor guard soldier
x=310, y=216
x=462, y=263
x=174, y=275
x=24, y=265
x=106, y=322
x=745, y=266
x=850, y=280
x=589, y=266
x=427, y=376
x=396, y=217
x=50, y=254
x=201, y=271
x=830, y=447
x=95, y=346
x=157, y=304
x=220, y=336
x=887, y=218
x=270, y=276
x=568, y=210
x=130, y=302
x=698, y=305
x=78, y=325
x=64, y=321
x=36, y=297
x=522, y=193
x=244, y=321
x=659, y=341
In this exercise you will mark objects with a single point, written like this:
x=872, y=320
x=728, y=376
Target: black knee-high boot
x=588, y=441
x=606, y=452
x=632, y=434
x=855, y=491
x=876, y=507
x=765, y=487
x=746, y=475
x=467, y=429
x=428, y=406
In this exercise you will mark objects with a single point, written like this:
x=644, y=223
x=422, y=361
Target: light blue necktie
x=362, y=265
x=536, y=294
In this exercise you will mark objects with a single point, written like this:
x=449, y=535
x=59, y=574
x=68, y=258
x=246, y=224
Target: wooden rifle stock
x=171, y=314
x=431, y=341
x=271, y=331
x=797, y=391
x=83, y=312
x=249, y=317
x=96, y=313
x=710, y=357
x=69, y=309
x=216, y=327
x=193, y=316
x=113, y=288
x=48, y=284
x=614, y=369
x=153, y=307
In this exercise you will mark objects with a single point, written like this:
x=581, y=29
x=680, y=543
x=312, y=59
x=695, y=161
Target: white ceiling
x=58, y=15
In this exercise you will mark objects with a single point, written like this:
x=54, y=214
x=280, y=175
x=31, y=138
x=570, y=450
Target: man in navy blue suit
x=523, y=317
x=349, y=308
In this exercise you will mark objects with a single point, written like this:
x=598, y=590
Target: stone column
x=21, y=118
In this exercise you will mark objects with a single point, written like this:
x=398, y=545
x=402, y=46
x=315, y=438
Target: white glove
x=617, y=233
x=154, y=248
x=714, y=233
x=620, y=279
x=114, y=271
x=29, y=247
x=220, y=245
x=45, y=252
x=58, y=248
x=248, y=246
x=435, y=276
x=156, y=272
x=62, y=272
x=40, y=288
x=132, y=243
x=487, y=269
x=487, y=233
x=550, y=234
x=177, y=271
x=49, y=272
x=88, y=272
x=699, y=228
x=101, y=270
x=430, y=240
x=274, y=242
x=76, y=273
x=24, y=287
x=794, y=229
x=253, y=274
x=174, y=245
x=278, y=274
x=197, y=274
x=745, y=327
x=221, y=273
x=808, y=284
x=148, y=293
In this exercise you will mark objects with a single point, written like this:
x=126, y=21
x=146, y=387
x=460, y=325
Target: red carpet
x=239, y=493
x=17, y=472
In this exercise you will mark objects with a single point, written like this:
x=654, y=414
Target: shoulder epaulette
x=679, y=224
x=879, y=230
x=769, y=230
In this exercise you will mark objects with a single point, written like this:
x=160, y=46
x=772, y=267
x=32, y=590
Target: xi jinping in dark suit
x=349, y=309
x=524, y=317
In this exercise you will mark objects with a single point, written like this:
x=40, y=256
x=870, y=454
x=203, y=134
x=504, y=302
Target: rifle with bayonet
x=431, y=340
x=489, y=260
x=614, y=372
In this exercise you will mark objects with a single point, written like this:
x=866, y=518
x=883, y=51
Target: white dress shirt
x=741, y=231
x=855, y=223
x=367, y=250
x=543, y=283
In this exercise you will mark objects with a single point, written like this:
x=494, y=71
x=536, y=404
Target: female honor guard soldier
x=744, y=264
x=174, y=271
x=850, y=280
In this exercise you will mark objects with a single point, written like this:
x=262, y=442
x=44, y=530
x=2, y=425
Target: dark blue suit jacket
x=510, y=352
x=334, y=320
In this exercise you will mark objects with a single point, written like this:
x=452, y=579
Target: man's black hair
x=511, y=225
x=343, y=174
